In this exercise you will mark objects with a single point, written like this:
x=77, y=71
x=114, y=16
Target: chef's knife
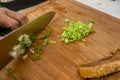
x=11, y=39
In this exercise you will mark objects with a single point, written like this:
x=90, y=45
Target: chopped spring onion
x=37, y=52
x=25, y=56
x=45, y=42
x=32, y=50
x=23, y=43
x=10, y=71
x=45, y=35
x=38, y=49
x=53, y=41
x=75, y=31
x=37, y=55
x=33, y=37
x=91, y=20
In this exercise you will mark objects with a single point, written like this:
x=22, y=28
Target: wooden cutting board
x=60, y=61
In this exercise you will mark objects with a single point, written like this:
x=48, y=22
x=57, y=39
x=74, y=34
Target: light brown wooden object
x=102, y=67
x=60, y=61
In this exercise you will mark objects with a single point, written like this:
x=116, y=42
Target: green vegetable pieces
x=45, y=35
x=38, y=51
x=23, y=43
x=75, y=31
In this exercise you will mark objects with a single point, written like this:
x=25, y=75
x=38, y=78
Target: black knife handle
x=4, y=31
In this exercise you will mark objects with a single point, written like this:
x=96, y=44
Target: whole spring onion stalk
x=75, y=31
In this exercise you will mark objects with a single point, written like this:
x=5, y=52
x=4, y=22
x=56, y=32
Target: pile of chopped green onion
x=23, y=43
x=75, y=31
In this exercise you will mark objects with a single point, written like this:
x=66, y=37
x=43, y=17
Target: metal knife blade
x=7, y=42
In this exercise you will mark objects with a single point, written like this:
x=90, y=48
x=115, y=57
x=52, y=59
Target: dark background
x=20, y=4
x=15, y=6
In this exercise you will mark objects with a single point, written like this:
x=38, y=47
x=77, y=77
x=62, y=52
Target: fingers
x=11, y=19
x=9, y=22
x=21, y=18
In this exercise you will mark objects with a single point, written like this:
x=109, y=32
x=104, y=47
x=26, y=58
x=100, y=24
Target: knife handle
x=4, y=31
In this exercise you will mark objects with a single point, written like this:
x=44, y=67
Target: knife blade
x=9, y=40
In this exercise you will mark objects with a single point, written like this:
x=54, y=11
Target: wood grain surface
x=60, y=61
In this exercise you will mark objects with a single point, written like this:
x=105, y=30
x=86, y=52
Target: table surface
x=61, y=61
x=110, y=7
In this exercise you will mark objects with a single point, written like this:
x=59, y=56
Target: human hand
x=11, y=19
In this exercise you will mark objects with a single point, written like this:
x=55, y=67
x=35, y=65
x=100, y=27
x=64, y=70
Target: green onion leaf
x=38, y=52
x=91, y=20
x=45, y=35
x=45, y=42
x=33, y=37
x=37, y=55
